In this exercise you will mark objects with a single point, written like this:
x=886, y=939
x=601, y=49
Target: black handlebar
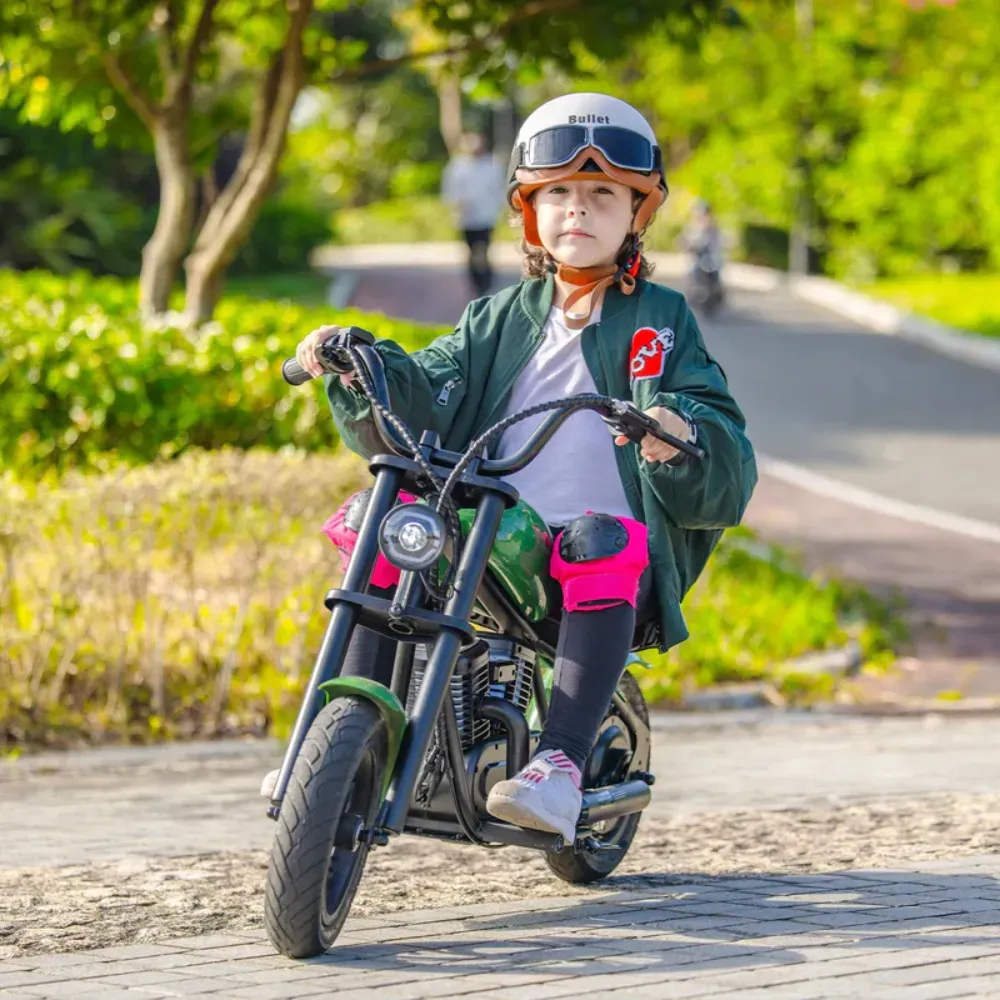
x=293, y=373
x=622, y=415
x=333, y=353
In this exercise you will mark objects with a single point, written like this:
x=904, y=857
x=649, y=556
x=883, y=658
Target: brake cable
x=439, y=590
x=442, y=490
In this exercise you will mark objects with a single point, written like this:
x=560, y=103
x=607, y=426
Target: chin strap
x=592, y=282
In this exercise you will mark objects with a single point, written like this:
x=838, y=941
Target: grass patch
x=753, y=610
x=174, y=600
x=967, y=301
x=419, y=219
x=183, y=599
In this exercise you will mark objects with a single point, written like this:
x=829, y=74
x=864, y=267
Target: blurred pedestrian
x=702, y=239
x=474, y=185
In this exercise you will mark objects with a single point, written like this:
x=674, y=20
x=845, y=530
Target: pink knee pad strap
x=384, y=574
x=601, y=583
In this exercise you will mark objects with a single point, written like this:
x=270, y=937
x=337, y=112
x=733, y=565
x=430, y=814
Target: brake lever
x=334, y=353
x=630, y=421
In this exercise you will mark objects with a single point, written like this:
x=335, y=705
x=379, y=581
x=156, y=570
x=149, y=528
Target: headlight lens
x=412, y=536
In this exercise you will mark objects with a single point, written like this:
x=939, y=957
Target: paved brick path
x=930, y=933
x=928, y=930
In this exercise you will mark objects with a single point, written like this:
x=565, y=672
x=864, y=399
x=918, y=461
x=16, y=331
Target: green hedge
x=85, y=384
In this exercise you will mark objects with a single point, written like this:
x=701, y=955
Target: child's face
x=583, y=223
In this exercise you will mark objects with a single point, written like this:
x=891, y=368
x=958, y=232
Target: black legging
x=590, y=658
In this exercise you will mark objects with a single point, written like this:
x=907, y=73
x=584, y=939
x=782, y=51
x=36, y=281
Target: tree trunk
x=798, y=237
x=450, y=109
x=206, y=272
x=162, y=255
x=234, y=212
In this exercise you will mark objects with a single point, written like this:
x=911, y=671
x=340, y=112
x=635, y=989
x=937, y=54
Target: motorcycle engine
x=512, y=670
x=497, y=666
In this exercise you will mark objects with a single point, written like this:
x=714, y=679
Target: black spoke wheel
x=318, y=856
x=613, y=837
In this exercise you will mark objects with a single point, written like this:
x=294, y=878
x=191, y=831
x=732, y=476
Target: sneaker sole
x=514, y=811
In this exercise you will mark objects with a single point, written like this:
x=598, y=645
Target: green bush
x=85, y=384
x=65, y=204
x=184, y=599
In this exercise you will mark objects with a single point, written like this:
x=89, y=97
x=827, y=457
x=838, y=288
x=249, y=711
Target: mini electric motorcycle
x=475, y=615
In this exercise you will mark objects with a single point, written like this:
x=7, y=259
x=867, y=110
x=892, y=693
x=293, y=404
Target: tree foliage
x=897, y=106
x=178, y=74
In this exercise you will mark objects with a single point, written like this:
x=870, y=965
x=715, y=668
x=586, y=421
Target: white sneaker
x=267, y=785
x=545, y=795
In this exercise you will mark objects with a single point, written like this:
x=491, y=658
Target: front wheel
x=611, y=838
x=316, y=860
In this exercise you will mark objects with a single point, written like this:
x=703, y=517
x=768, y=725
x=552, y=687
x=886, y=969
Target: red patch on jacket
x=648, y=355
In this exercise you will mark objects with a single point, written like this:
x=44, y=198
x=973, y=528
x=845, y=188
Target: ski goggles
x=557, y=146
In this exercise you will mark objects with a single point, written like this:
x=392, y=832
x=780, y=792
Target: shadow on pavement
x=693, y=922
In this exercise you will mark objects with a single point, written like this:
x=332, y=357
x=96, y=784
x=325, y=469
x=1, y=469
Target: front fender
x=385, y=701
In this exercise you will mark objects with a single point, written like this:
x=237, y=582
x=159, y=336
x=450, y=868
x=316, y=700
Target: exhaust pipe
x=614, y=800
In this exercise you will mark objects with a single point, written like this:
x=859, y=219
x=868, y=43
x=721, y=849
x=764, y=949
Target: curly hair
x=538, y=263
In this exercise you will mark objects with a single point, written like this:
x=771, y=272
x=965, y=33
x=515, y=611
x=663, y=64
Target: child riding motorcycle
x=633, y=526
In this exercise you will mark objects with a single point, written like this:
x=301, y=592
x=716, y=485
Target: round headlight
x=412, y=536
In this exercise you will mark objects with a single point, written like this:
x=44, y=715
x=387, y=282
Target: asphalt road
x=819, y=391
x=874, y=411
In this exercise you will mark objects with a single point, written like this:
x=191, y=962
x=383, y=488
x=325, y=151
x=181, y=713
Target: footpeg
x=594, y=846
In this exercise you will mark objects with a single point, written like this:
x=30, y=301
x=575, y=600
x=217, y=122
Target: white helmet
x=577, y=134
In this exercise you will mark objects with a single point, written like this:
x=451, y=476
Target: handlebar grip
x=679, y=443
x=293, y=373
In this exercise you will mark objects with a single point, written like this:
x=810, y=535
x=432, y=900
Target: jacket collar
x=537, y=294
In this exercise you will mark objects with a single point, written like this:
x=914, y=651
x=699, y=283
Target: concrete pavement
x=133, y=803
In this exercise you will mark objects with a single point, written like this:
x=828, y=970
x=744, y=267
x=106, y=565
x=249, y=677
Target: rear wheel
x=317, y=860
x=611, y=838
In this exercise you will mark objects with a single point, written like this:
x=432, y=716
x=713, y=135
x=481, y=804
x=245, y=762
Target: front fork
x=340, y=628
x=440, y=663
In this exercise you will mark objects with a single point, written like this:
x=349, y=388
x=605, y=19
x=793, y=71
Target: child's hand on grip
x=650, y=448
x=306, y=356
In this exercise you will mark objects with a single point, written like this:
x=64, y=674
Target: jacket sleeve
x=711, y=492
x=426, y=389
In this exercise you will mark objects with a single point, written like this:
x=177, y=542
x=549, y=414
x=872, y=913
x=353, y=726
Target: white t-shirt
x=475, y=185
x=576, y=471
